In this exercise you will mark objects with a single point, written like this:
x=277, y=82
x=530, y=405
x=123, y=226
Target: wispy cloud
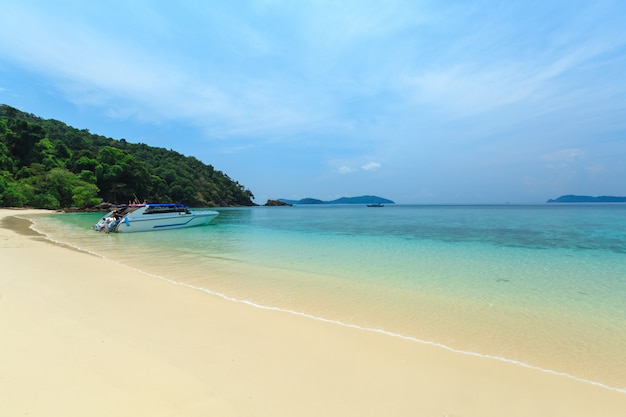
x=370, y=166
x=96, y=68
x=349, y=169
x=469, y=89
x=563, y=155
x=504, y=64
x=344, y=169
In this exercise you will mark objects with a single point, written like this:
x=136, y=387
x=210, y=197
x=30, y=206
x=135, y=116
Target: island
x=587, y=199
x=47, y=164
x=364, y=199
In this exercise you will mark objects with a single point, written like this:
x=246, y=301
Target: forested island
x=364, y=199
x=48, y=164
x=587, y=199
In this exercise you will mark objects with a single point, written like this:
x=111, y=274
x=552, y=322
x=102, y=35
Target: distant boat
x=149, y=217
x=376, y=205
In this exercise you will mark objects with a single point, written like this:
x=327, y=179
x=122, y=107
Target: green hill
x=48, y=164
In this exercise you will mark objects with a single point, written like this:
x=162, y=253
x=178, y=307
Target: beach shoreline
x=86, y=336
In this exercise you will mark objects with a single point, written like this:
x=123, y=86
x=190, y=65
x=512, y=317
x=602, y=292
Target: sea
x=541, y=286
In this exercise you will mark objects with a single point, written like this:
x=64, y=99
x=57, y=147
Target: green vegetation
x=48, y=164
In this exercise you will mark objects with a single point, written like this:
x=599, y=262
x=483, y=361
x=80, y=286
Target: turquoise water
x=542, y=285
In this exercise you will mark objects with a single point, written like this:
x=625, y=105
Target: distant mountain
x=588, y=199
x=365, y=199
x=310, y=201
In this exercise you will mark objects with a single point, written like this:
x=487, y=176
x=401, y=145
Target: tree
x=21, y=140
x=85, y=195
x=6, y=162
x=10, y=195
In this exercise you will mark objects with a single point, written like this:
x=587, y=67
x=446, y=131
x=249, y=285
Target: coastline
x=86, y=336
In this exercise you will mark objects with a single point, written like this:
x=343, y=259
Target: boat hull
x=147, y=223
x=150, y=217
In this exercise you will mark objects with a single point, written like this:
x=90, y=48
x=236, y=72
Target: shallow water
x=540, y=285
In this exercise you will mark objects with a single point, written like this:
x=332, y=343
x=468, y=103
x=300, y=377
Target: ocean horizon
x=539, y=285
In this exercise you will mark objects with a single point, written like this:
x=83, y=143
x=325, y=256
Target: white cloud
x=370, y=166
x=535, y=78
x=346, y=169
x=122, y=74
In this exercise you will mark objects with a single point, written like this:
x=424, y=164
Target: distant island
x=364, y=199
x=587, y=199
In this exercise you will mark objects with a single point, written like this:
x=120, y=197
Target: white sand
x=83, y=336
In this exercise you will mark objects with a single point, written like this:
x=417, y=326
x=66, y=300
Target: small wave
x=393, y=334
x=50, y=239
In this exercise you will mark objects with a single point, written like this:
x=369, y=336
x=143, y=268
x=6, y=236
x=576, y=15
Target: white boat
x=147, y=217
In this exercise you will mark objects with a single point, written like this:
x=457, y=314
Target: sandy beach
x=85, y=336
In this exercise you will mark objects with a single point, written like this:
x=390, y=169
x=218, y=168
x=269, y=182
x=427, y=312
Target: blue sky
x=417, y=101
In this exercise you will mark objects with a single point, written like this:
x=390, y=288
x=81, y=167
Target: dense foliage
x=48, y=164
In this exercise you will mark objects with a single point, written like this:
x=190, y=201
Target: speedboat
x=146, y=217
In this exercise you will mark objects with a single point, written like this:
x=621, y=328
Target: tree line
x=48, y=164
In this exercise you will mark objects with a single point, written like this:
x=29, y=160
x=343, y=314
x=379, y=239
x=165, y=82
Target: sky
x=421, y=102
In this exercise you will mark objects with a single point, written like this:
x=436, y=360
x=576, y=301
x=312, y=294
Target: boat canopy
x=166, y=208
x=167, y=205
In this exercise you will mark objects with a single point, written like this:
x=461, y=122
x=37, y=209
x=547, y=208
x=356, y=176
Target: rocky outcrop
x=275, y=203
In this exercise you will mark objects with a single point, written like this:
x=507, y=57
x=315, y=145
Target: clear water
x=540, y=285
